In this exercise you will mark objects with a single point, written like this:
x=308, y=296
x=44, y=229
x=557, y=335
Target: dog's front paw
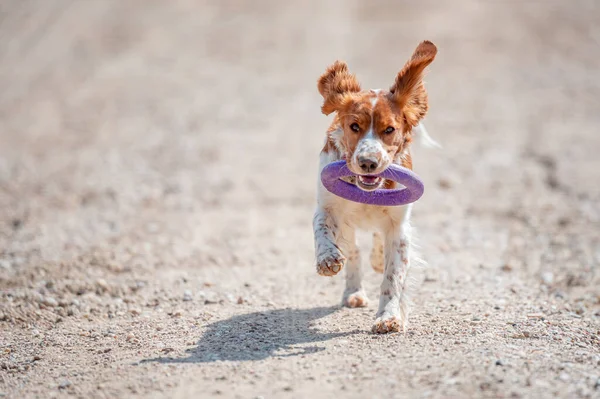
x=387, y=323
x=356, y=299
x=330, y=263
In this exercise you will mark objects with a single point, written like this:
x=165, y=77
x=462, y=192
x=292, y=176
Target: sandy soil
x=157, y=182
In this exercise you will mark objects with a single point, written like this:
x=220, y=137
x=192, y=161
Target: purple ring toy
x=331, y=178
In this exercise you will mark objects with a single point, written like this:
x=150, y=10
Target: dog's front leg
x=393, y=304
x=328, y=255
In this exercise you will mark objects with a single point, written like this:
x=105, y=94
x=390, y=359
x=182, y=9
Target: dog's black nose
x=367, y=164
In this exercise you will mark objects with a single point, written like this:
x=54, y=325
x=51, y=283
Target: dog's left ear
x=408, y=91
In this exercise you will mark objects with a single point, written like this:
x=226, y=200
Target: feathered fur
x=370, y=130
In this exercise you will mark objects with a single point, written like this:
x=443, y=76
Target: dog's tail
x=424, y=137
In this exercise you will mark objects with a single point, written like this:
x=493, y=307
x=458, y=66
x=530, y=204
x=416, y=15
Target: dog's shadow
x=256, y=336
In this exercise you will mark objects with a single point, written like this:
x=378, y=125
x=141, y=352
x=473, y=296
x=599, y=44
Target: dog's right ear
x=336, y=86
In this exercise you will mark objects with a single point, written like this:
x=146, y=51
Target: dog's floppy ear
x=336, y=86
x=408, y=91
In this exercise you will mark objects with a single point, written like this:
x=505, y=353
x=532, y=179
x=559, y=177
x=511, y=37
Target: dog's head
x=375, y=126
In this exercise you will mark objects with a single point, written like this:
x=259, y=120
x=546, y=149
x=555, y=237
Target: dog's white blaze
x=376, y=92
x=373, y=103
x=370, y=145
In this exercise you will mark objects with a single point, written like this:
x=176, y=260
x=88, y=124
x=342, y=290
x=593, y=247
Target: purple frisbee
x=413, y=186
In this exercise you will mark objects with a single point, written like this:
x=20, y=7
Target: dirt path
x=157, y=180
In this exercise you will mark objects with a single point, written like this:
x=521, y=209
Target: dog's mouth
x=368, y=183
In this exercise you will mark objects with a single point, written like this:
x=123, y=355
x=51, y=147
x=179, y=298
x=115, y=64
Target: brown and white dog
x=371, y=130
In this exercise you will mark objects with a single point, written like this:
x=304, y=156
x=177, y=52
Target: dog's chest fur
x=365, y=217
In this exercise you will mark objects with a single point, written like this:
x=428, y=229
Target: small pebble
x=102, y=284
x=135, y=311
x=187, y=295
x=64, y=384
x=580, y=309
x=444, y=183
x=536, y=316
x=547, y=278
x=49, y=301
x=177, y=313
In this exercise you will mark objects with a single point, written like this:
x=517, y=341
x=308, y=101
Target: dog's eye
x=389, y=130
x=355, y=127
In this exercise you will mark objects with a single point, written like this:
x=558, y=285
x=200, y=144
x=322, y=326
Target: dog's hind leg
x=354, y=294
x=377, y=258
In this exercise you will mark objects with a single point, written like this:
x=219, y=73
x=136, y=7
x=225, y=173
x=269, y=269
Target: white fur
x=424, y=136
x=335, y=222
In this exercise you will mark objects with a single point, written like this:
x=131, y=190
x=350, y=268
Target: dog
x=371, y=129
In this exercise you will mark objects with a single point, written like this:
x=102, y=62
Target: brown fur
x=402, y=107
x=336, y=86
x=370, y=130
x=408, y=90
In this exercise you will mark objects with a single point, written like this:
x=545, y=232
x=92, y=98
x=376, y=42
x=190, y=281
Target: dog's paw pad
x=387, y=324
x=331, y=264
x=356, y=300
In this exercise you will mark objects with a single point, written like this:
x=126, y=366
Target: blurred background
x=157, y=157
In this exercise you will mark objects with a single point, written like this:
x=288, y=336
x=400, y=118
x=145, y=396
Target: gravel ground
x=157, y=181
